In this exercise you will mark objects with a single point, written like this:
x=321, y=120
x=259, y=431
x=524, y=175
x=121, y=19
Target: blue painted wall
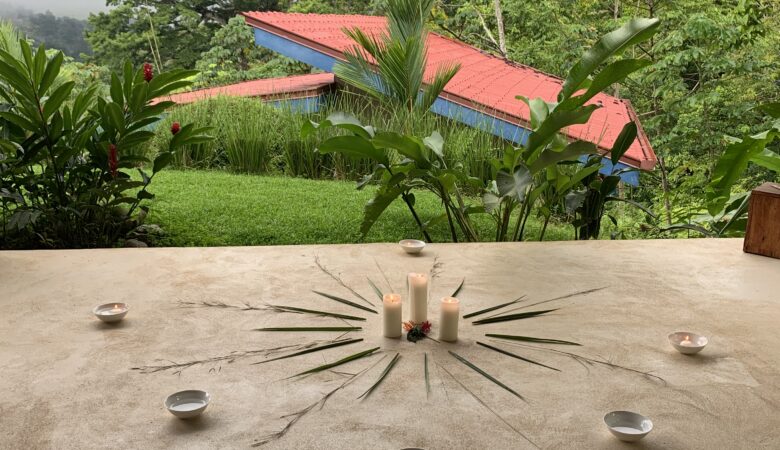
x=443, y=107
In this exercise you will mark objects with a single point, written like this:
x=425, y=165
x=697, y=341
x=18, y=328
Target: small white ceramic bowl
x=187, y=404
x=412, y=246
x=628, y=426
x=111, y=312
x=688, y=343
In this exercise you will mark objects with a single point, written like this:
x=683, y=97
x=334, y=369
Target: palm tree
x=391, y=67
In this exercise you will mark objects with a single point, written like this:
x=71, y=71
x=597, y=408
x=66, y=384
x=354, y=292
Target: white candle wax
x=418, y=297
x=687, y=342
x=391, y=315
x=448, y=321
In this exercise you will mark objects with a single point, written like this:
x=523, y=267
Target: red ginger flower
x=148, y=72
x=113, y=159
x=175, y=128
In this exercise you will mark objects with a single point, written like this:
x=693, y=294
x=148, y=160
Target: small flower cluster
x=113, y=160
x=417, y=331
x=148, y=72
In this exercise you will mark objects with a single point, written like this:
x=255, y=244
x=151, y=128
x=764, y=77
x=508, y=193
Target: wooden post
x=763, y=227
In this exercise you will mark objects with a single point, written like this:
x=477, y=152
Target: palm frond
x=563, y=297
x=338, y=343
x=444, y=75
x=427, y=377
x=485, y=374
x=345, y=301
x=376, y=289
x=492, y=308
x=509, y=317
x=292, y=309
x=338, y=280
x=349, y=358
x=307, y=329
x=382, y=376
x=482, y=402
x=510, y=337
x=504, y=352
x=457, y=291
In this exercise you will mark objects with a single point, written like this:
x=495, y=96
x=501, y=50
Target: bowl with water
x=628, y=426
x=187, y=404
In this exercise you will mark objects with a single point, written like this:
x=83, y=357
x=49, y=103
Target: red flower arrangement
x=417, y=331
x=175, y=128
x=113, y=159
x=148, y=72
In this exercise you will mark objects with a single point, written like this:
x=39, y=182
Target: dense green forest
x=714, y=63
x=63, y=33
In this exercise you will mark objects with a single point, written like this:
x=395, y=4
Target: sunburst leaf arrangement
x=504, y=314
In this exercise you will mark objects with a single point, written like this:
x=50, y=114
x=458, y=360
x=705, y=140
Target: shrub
x=63, y=154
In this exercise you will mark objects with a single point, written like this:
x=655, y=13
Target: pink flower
x=113, y=159
x=175, y=128
x=148, y=72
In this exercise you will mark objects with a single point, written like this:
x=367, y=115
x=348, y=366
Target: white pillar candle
x=448, y=321
x=391, y=315
x=418, y=297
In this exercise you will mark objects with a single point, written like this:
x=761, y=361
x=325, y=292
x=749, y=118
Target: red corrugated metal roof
x=286, y=87
x=485, y=82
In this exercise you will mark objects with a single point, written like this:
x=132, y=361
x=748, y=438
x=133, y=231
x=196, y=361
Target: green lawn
x=212, y=208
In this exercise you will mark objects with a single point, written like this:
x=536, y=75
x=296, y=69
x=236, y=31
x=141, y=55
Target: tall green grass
x=254, y=137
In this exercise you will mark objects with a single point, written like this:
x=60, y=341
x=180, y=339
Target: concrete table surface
x=66, y=378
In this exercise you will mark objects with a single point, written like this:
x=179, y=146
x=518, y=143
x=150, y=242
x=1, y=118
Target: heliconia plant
x=66, y=157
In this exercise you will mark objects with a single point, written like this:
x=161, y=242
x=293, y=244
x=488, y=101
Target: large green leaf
x=730, y=167
x=514, y=184
x=404, y=145
x=341, y=120
x=50, y=74
x=623, y=142
x=354, y=147
x=767, y=159
x=570, y=152
x=56, y=99
x=377, y=205
x=632, y=33
x=613, y=73
x=554, y=123
x=539, y=109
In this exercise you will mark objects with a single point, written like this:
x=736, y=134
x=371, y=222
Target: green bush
x=64, y=152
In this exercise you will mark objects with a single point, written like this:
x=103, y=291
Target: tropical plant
x=521, y=175
x=538, y=168
x=589, y=203
x=391, y=67
x=61, y=152
x=726, y=212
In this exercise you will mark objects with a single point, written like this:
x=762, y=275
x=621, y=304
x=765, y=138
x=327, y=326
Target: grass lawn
x=214, y=208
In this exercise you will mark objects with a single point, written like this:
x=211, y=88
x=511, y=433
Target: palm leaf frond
x=509, y=317
x=510, y=337
x=376, y=289
x=492, y=308
x=349, y=358
x=485, y=374
x=293, y=309
x=457, y=291
x=345, y=301
x=382, y=376
x=507, y=353
x=307, y=329
x=312, y=350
